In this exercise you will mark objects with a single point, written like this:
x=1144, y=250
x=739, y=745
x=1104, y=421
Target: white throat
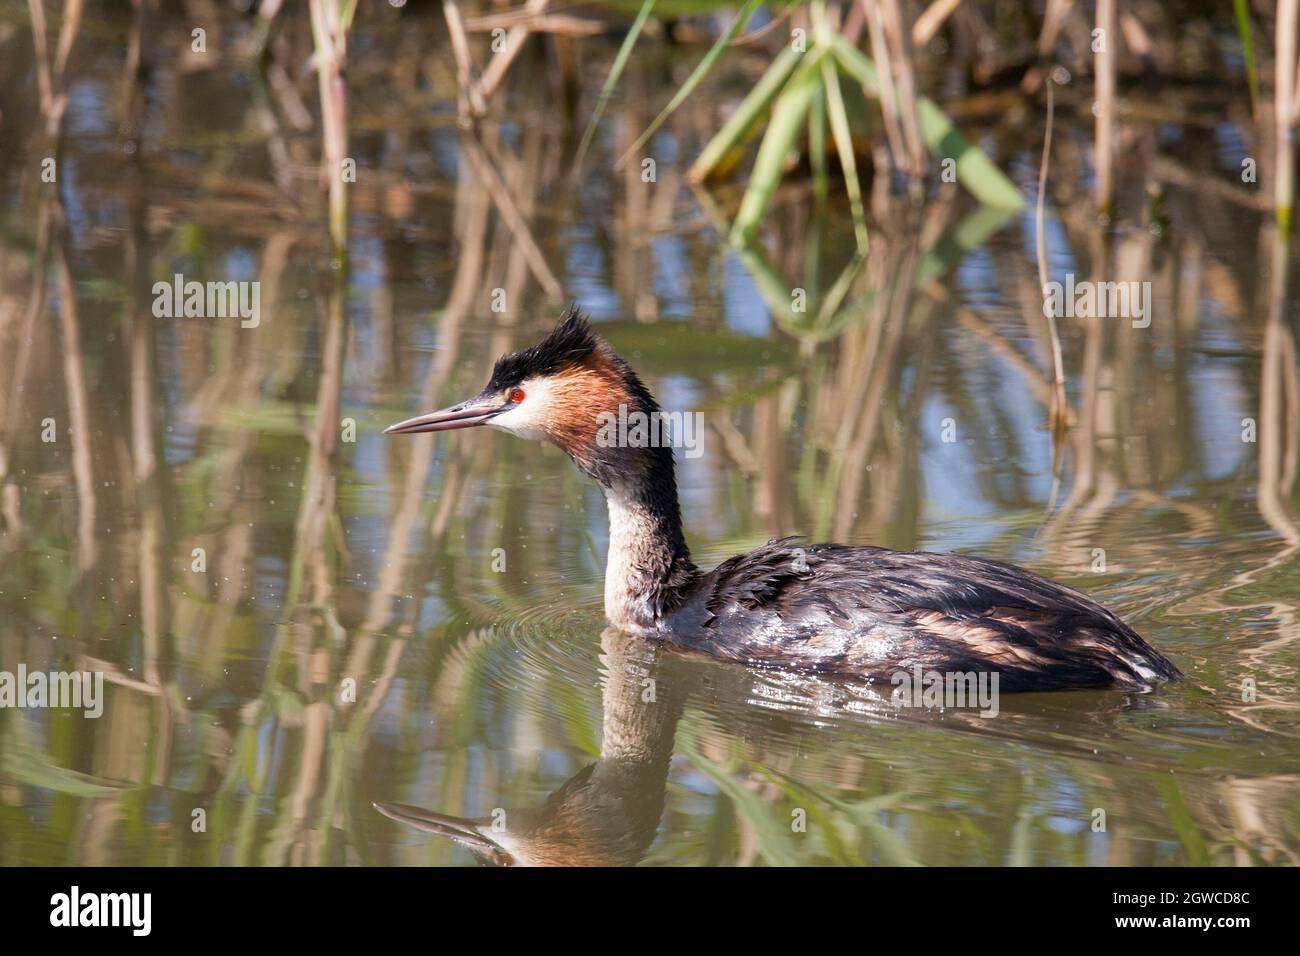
x=631, y=539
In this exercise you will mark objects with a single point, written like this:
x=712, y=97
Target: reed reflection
x=330, y=561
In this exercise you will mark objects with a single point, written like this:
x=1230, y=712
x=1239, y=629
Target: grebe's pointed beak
x=461, y=829
x=465, y=415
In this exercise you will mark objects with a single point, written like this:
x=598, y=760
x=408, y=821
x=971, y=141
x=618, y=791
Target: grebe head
x=560, y=390
x=572, y=390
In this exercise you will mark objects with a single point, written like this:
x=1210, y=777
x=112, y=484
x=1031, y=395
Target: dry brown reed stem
x=1053, y=20
x=529, y=173
x=1295, y=100
x=469, y=101
x=134, y=74
x=286, y=96
x=514, y=42
x=1136, y=39
x=1279, y=406
x=49, y=77
x=855, y=21
x=1169, y=170
x=931, y=19
x=267, y=11
x=147, y=473
x=900, y=39
x=562, y=24
x=1279, y=410
x=511, y=216
x=1058, y=408
x=316, y=512
x=1105, y=106
x=44, y=79
x=1285, y=106
x=1092, y=478
x=879, y=342
x=67, y=35
x=754, y=36
x=331, y=41
x=888, y=91
x=79, y=408
x=20, y=363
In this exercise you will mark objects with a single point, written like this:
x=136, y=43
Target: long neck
x=649, y=565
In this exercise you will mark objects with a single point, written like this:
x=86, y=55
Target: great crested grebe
x=859, y=612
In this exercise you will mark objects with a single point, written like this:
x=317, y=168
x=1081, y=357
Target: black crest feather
x=568, y=343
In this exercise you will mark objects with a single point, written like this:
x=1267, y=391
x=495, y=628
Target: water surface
x=455, y=583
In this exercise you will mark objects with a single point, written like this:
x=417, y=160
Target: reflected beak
x=465, y=415
x=461, y=829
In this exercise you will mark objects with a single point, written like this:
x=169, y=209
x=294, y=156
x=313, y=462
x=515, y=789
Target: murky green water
x=297, y=616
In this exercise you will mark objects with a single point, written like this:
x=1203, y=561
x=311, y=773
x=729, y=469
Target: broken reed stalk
x=1058, y=414
x=1105, y=106
x=329, y=26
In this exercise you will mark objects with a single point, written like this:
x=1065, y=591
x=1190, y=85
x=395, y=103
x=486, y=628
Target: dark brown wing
x=871, y=611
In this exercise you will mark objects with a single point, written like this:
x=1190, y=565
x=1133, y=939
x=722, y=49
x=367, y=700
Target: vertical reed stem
x=1058, y=416
x=1284, y=113
x=330, y=35
x=1105, y=106
x=888, y=93
x=908, y=117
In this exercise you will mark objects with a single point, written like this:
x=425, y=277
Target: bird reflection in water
x=606, y=814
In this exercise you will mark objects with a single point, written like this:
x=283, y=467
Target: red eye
x=516, y=395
